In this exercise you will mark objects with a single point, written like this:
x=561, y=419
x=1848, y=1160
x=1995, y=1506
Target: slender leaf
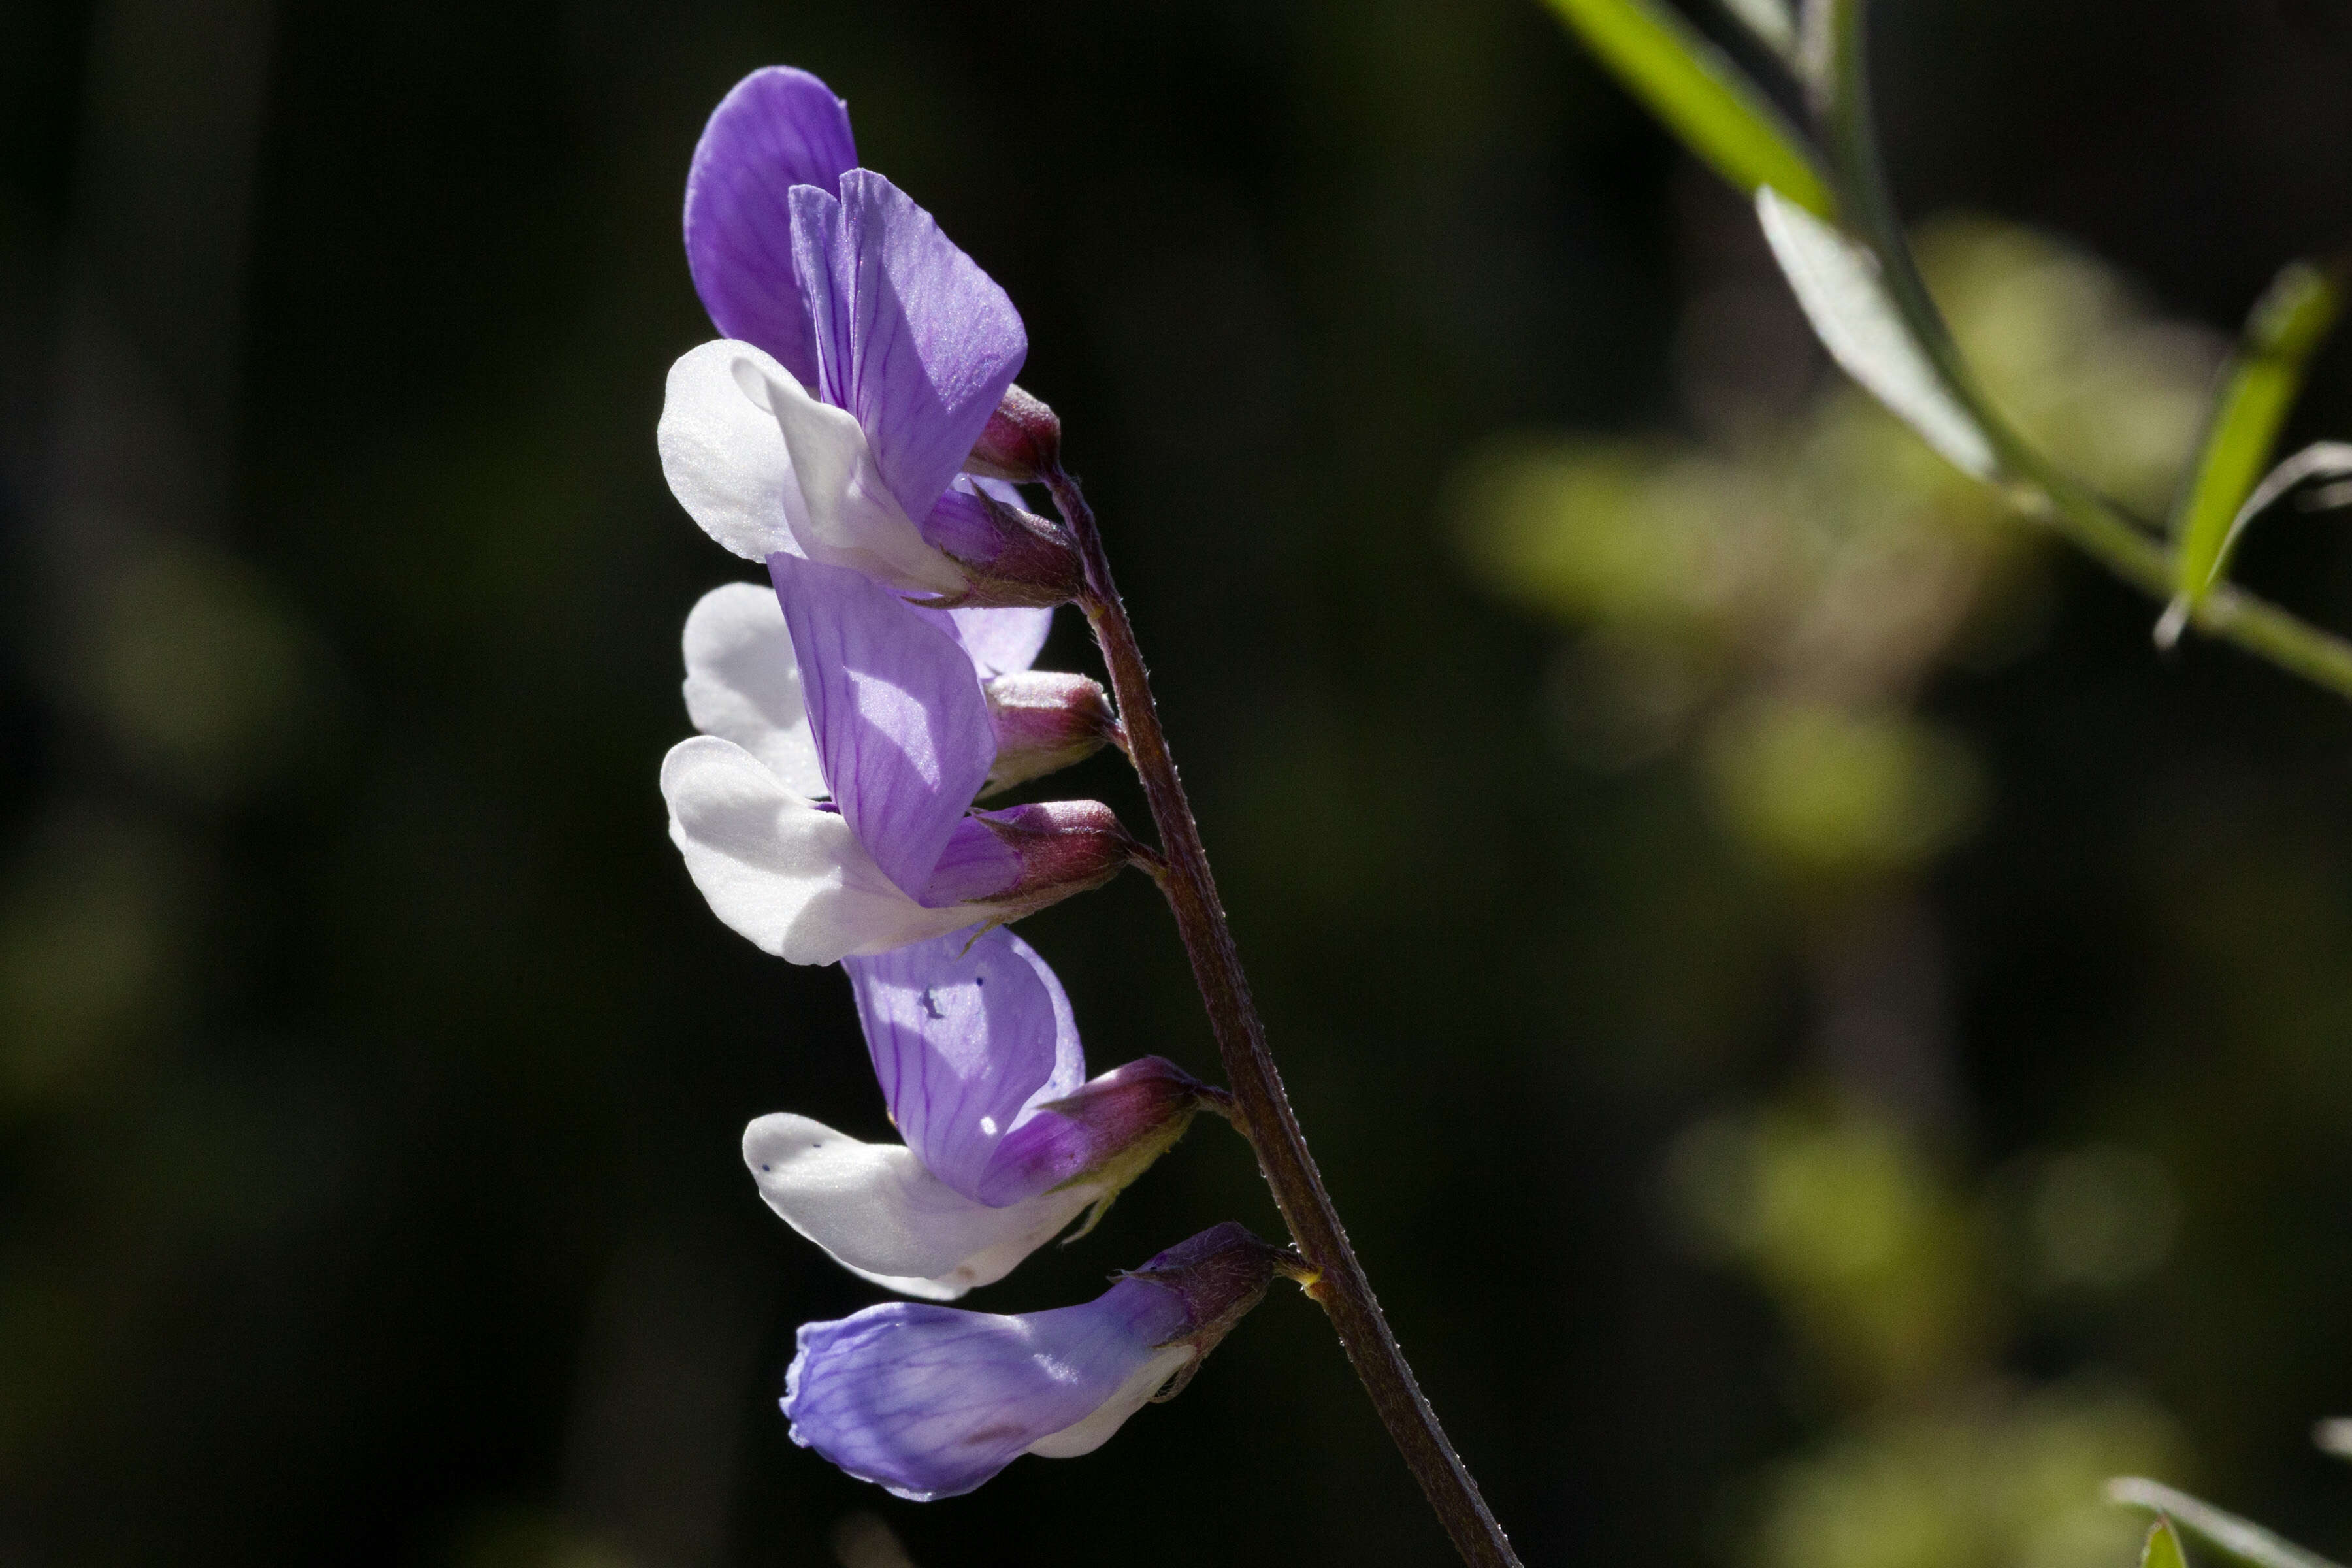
x=1701, y=95
x=2241, y=1539
x=2162, y=1549
x=2286, y=325
x=1844, y=293
x=2320, y=460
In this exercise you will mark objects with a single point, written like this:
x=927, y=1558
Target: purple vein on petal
x=967, y=1034
x=777, y=128
x=902, y=731
x=912, y=336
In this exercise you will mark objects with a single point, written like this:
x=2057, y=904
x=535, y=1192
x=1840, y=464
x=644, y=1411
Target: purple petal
x=1003, y=641
x=912, y=336
x=976, y=865
x=777, y=128
x=901, y=727
x=965, y=1032
x=930, y=1402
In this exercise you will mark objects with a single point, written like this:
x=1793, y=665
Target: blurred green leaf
x=1701, y=95
x=1844, y=296
x=2162, y=1548
x=1773, y=22
x=2240, y=1538
x=2286, y=325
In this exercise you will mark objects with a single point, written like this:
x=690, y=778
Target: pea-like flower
x=978, y=1055
x=864, y=355
x=743, y=684
x=904, y=742
x=930, y=1402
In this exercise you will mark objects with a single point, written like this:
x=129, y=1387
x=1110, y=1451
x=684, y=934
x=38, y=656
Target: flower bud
x=1219, y=1275
x=1063, y=846
x=1046, y=720
x=1021, y=441
x=1104, y=1134
x=1008, y=556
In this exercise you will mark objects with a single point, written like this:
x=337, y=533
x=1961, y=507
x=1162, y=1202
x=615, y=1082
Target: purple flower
x=865, y=354
x=978, y=1055
x=889, y=701
x=930, y=1402
x=786, y=873
x=743, y=684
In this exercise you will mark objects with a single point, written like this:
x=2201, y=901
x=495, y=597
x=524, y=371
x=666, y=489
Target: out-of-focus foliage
x=1901, y=1292
x=1777, y=599
x=1773, y=603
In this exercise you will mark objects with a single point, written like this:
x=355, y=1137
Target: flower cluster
x=857, y=430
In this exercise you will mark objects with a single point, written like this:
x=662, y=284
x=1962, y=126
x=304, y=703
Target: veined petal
x=743, y=683
x=912, y=336
x=930, y=1402
x=977, y=864
x=776, y=129
x=902, y=726
x=723, y=453
x=968, y=1033
x=876, y=1211
x=841, y=512
x=1002, y=641
x=782, y=871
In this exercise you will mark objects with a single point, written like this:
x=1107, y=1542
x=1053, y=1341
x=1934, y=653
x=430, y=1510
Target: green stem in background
x=1261, y=1106
x=2039, y=487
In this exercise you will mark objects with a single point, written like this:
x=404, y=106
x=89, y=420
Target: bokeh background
x=1828, y=1044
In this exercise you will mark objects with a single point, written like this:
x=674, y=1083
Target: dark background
x=370, y=1075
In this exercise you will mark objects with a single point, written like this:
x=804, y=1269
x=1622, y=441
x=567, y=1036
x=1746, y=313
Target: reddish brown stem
x=1262, y=1107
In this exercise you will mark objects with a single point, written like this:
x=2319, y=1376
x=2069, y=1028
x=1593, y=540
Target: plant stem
x=2038, y=486
x=1262, y=1107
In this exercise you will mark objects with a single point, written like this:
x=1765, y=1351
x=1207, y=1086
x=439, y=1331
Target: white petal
x=848, y=516
x=877, y=1212
x=724, y=457
x=743, y=683
x=1838, y=283
x=1092, y=1432
x=781, y=873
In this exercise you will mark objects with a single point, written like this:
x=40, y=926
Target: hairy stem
x=1261, y=1107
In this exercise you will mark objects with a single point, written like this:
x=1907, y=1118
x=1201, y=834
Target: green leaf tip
x=2162, y=1549
x=2248, y=1542
x=2284, y=327
x=1701, y=95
